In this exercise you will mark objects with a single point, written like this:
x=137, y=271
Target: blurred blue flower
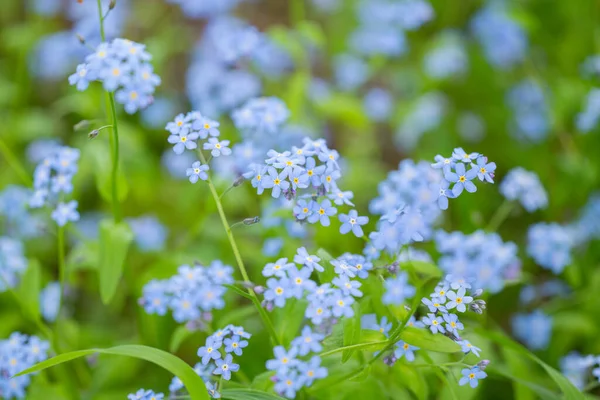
x=525, y=187
x=533, y=329
x=531, y=116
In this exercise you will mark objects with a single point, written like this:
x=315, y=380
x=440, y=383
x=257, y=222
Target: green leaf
x=193, y=383
x=263, y=381
x=328, y=274
x=423, y=268
x=290, y=319
x=313, y=32
x=115, y=239
x=29, y=288
x=570, y=391
x=238, y=290
x=412, y=380
x=344, y=108
x=248, y=394
x=363, y=375
x=103, y=170
x=541, y=391
x=351, y=332
x=425, y=340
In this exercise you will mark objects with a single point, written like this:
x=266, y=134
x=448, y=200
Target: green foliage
x=115, y=239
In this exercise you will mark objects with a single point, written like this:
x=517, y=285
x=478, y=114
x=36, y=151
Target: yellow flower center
x=459, y=300
x=116, y=71
x=279, y=291
x=133, y=95
x=184, y=139
x=482, y=170
x=277, y=181
x=462, y=178
x=471, y=375
x=321, y=211
x=310, y=172
x=305, y=210
x=218, y=146
x=405, y=346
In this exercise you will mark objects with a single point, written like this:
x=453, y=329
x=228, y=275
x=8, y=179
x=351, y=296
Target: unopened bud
x=81, y=125
x=290, y=194
x=451, y=335
x=112, y=4
x=475, y=308
x=259, y=289
x=267, y=305
x=478, y=293
x=93, y=134
x=481, y=304
x=251, y=221
x=207, y=316
x=390, y=360
x=239, y=181
x=393, y=268
x=80, y=38
x=483, y=364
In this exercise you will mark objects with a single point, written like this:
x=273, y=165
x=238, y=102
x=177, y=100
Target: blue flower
x=343, y=268
x=210, y=351
x=459, y=155
x=434, y=306
x=352, y=222
x=453, y=324
x=82, y=77
x=211, y=388
x=340, y=197
x=235, y=345
x=458, y=299
x=225, y=367
x=279, y=268
x=278, y=291
x=443, y=193
x=277, y=182
x=185, y=307
x=397, y=289
x=300, y=281
x=471, y=376
x=283, y=361
x=65, y=212
x=49, y=300
x=313, y=171
x=341, y=305
x=205, y=127
x=183, y=140
x=406, y=350
x=347, y=286
x=462, y=179
x=312, y=370
x=467, y=347
x=299, y=179
x=550, y=246
x=434, y=323
x=288, y=383
x=198, y=171
x=308, y=341
x=304, y=209
x=310, y=261
x=217, y=148
x=321, y=212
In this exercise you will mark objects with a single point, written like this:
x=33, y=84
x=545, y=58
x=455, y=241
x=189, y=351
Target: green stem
x=353, y=347
x=115, y=130
x=500, y=215
x=14, y=163
x=61, y=264
x=237, y=255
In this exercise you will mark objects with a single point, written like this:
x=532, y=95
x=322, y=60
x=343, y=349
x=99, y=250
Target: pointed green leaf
x=115, y=239
x=238, y=291
x=570, y=391
x=328, y=274
x=422, y=268
x=178, y=337
x=103, y=171
x=193, y=383
x=425, y=340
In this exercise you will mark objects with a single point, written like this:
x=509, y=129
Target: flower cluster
x=452, y=296
x=312, y=169
x=481, y=258
x=456, y=173
x=218, y=351
x=148, y=233
x=448, y=59
x=52, y=180
x=12, y=262
x=531, y=114
x=533, y=329
x=525, y=187
x=17, y=353
x=193, y=292
x=293, y=373
x=123, y=67
x=397, y=289
x=550, y=246
x=144, y=394
x=504, y=42
x=425, y=115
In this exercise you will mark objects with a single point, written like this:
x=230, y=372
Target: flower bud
x=483, y=364
x=207, y=316
x=259, y=289
x=112, y=4
x=475, y=308
x=390, y=360
x=393, y=268
x=478, y=293
x=81, y=125
x=80, y=38
x=267, y=305
x=93, y=134
x=239, y=181
x=251, y=221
